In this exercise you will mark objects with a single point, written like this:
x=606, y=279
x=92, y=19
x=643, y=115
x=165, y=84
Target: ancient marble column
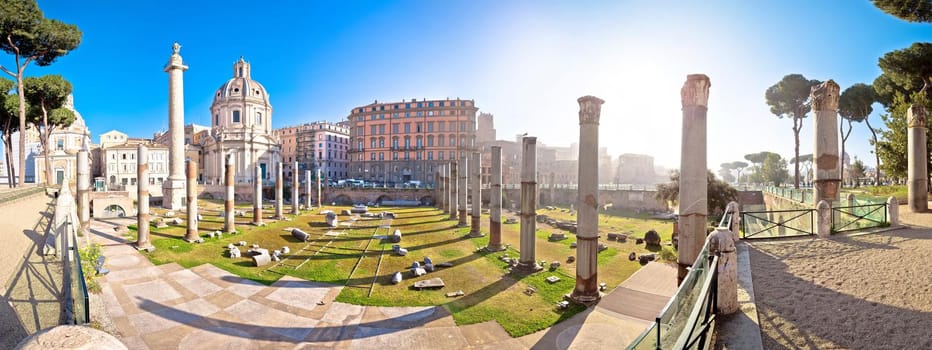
x=827, y=167
x=454, y=188
x=918, y=187
x=279, y=192
x=173, y=187
x=440, y=188
x=142, y=198
x=307, y=189
x=191, y=234
x=229, y=218
x=257, y=198
x=294, y=190
x=495, y=202
x=462, y=182
x=693, y=206
x=320, y=194
x=449, y=185
x=83, y=186
x=587, y=202
x=476, y=194
x=528, y=259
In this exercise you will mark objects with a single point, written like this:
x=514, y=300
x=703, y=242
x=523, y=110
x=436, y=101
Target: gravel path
x=871, y=291
x=31, y=282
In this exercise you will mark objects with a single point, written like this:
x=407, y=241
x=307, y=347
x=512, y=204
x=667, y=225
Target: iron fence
x=777, y=223
x=858, y=217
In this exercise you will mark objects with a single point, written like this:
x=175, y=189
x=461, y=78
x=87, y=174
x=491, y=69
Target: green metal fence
x=777, y=223
x=858, y=217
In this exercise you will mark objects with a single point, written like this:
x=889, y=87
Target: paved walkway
x=170, y=307
x=31, y=282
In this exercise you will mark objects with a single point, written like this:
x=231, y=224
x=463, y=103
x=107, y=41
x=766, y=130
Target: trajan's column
x=173, y=188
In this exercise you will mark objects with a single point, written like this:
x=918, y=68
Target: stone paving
x=169, y=307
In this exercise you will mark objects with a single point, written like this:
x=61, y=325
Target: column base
x=526, y=268
x=148, y=247
x=172, y=193
x=259, y=224
x=462, y=218
x=493, y=248
x=584, y=300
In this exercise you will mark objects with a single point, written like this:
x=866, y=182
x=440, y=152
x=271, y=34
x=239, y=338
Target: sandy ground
x=871, y=291
x=29, y=301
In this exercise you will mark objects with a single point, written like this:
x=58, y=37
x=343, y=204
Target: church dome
x=241, y=87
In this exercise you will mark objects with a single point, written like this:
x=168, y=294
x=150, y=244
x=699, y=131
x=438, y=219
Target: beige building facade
x=399, y=142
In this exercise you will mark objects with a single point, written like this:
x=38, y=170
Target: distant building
x=32, y=151
x=318, y=145
x=636, y=169
x=64, y=143
x=241, y=126
x=486, y=128
x=396, y=142
x=118, y=157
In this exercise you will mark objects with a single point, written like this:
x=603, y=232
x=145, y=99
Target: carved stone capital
x=825, y=96
x=695, y=91
x=916, y=116
x=590, y=109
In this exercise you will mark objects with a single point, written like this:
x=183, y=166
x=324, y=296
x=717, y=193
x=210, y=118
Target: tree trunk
x=22, y=123
x=797, y=127
x=44, y=134
x=876, y=156
x=841, y=159
x=8, y=153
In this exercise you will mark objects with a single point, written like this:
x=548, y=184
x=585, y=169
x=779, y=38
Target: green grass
x=881, y=193
x=490, y=292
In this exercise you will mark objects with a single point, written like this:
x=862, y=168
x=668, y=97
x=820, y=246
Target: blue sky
x=526, y=62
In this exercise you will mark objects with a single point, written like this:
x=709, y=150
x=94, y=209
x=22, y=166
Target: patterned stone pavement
x=170, y=307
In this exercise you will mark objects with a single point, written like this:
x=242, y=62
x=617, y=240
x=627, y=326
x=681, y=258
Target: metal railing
x=777, y=223
x=858, y=217
x=74, y=289
x=688, y=319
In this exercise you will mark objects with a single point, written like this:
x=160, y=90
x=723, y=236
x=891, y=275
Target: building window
x=430, y=126
x=371, y=156
x=236, y=116
x=417, y=127
x=430, y=140
x=381, y=142
x=452, y=140
x=394, y=142
x=372, y=130
x=395, y=128
x=430, y=113
x=407, y=155
x=407, y=141
x=439, y=140
x=439, y=155
x=381, y=156
x=407, y=128
x=372, y=142
x=394, y=155
x=381, y=129
x=60, y=144
x=217, y=119
x=419, y=105
x=258, y=118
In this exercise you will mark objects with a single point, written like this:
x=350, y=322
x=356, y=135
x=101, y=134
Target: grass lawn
x=356, y=256
x=880, y=193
